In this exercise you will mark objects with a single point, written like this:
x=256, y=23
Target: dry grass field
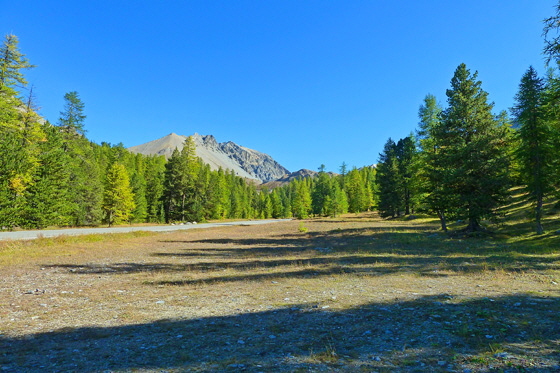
x=350, y=294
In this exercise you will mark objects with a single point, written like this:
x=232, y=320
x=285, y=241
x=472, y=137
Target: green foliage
x=12, y=61
x=118, y=199
x=471, y=152
x=72, y=118
x=397, y=178
x=536, y=151
x=389, y=188
x=301, y=201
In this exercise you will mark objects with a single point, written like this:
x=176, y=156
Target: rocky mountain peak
x=245, y=162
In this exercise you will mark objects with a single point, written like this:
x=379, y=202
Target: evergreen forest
x=459, y=164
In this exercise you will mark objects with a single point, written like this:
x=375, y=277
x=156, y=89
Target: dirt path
x=33, y=234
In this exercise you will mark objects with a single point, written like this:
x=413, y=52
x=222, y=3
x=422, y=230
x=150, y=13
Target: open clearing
x=348, y=294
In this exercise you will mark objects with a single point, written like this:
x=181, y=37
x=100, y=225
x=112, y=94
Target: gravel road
x=31, y=235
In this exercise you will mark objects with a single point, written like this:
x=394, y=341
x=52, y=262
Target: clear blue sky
x=308, y=82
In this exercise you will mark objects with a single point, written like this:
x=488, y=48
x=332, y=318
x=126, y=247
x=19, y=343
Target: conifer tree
x=301, y=202
x=336, y=202
x=433, y=176
x=356, y=191
x=118, y=199
x=320, y=193
x=48, y=199
x=473, y=148
x=12, y=61
x=536, y=147
x=389, y=188
x=180, y=183
x=72, y=118
x=407, y=164
x=155, y=169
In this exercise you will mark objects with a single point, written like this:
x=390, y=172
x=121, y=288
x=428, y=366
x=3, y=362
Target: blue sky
x=308, y=82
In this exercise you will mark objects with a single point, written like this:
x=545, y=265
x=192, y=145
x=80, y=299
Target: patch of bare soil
x=354, y=294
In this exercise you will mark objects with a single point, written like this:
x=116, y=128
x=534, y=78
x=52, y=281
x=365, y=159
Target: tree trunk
x=473, y=226
x=538, y=215
x=442, y=220
x=183, y=207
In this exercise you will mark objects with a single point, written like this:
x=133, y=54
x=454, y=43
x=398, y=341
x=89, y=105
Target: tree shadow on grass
x=360, y=251
x=430, y=333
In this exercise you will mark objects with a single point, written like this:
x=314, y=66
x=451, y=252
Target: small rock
x=324, y=307
x=160, y=302
x=489, y=336
x=503, y=355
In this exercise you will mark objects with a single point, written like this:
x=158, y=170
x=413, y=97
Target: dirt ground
x=352, y=294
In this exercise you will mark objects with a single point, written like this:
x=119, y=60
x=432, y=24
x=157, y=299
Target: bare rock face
x=287, y=178
x=243, y=161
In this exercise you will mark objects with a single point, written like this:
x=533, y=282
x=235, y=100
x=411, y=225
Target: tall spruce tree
x=536, y=151
x=473, y=150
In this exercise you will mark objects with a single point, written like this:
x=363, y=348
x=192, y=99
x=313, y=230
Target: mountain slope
x=243, y=161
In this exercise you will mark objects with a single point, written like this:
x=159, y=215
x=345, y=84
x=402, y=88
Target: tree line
x=52, y=175
x=463, y=160
x=460, y=163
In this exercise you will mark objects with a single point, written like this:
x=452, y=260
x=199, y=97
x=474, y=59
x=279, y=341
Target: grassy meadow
x=355, y=293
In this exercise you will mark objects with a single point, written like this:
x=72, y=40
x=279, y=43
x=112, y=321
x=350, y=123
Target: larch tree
x=433, y=174
x=118, y=199
x=72, y=118
x=407, y=165
x=536, y=151
x=12, y=61
x=389, y=188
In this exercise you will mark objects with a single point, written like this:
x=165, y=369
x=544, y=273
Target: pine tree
x=389, y=187
x=118, y=199
x=536, y=147
x=474, y=150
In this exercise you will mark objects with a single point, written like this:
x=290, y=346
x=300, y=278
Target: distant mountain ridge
x=300, y=174
x=245, y=162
